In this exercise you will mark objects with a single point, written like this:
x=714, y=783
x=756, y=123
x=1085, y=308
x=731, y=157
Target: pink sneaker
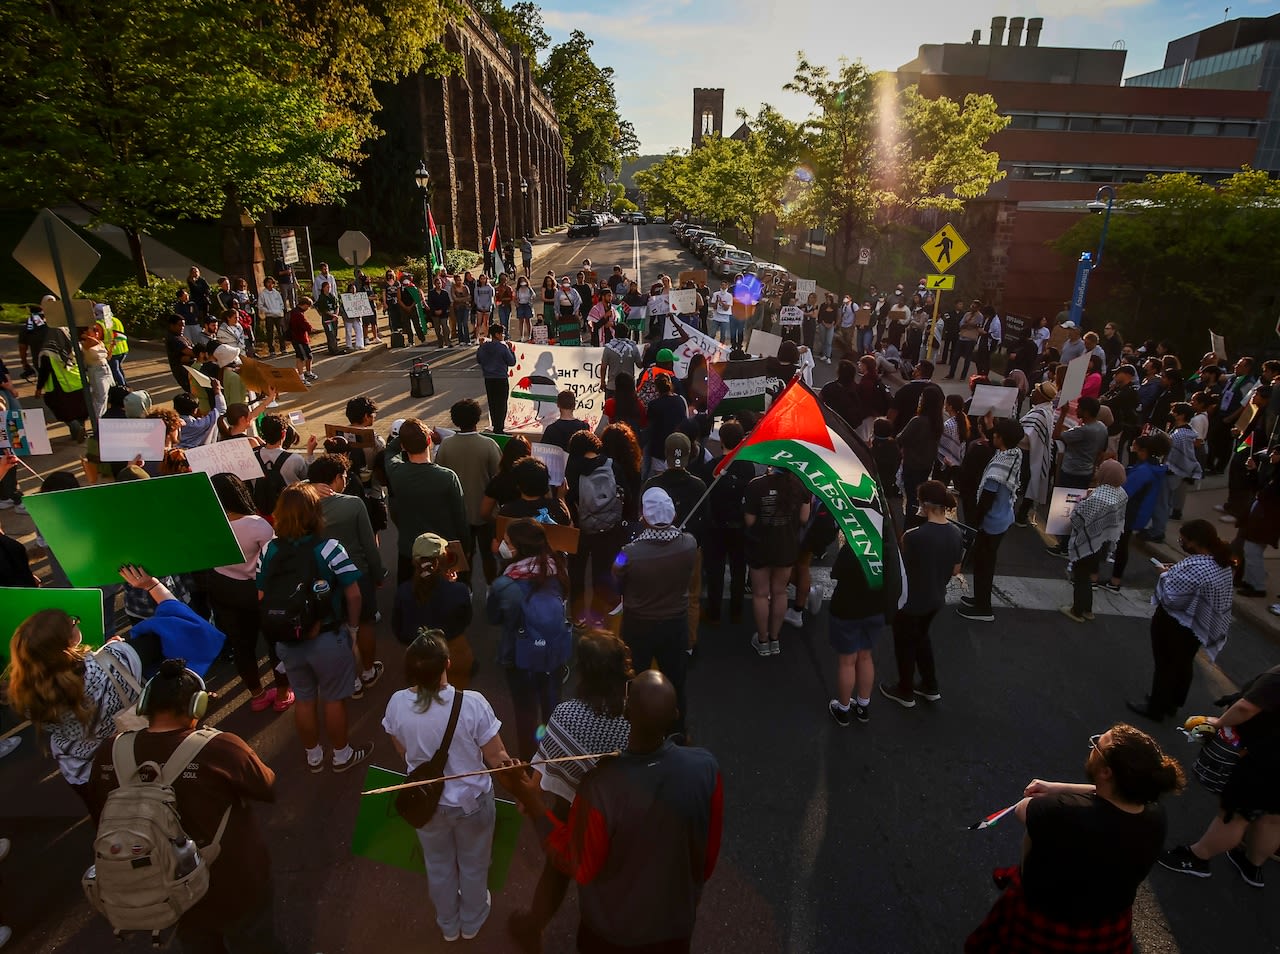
x=259, y=703
x=283, y=703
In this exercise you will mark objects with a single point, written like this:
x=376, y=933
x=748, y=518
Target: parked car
x=677, y=226
x=702, y=241
x=731, y=261
x=585, y=224
x=624, y=218
x=711, y=249
x=658, y=220
x=688, y=236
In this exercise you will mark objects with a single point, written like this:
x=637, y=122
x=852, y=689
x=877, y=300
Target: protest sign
x=561, y=538
x=790, y=316
x=120, y=439
x=356, y=305
x=540, y=373
x=696, y=275
x=863, y=318
x=382, y=836
x=659, y=305
x=999, y=400
x=1073, y=382
x=225, y=457
x=764, y=344
x=555, y=458
x=199, y=377
x=261, y=376
x=683, y=301
x=742, y=384
x=1058, y=522
x=25, y=432
x=88, y=528
x=19, y=602
x=1219, y=345
x=806, y=286
x=355, y=436
x=696, y=343
x=1057, y=338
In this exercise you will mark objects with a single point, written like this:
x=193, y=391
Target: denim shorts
x=849, y=636
x=323, y=667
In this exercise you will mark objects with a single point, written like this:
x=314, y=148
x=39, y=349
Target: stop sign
x=354, y=247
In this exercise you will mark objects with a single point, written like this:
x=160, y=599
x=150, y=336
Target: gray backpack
x=599, y=502
x=147, y=873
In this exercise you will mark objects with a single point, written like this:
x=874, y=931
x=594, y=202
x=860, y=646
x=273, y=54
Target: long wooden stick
x=450, y=778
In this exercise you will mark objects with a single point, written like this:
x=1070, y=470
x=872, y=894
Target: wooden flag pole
x=451, y=778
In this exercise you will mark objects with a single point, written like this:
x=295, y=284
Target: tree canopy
x=1183, y=257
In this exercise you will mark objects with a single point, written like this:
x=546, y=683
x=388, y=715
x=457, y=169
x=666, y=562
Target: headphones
x=197, y=705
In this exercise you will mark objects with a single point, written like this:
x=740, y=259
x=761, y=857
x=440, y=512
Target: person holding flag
x=492, y=261
x=996, y=493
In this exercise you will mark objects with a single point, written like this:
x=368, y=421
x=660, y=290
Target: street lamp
x=1088, y=262
x=524, y=204
x=422, y=179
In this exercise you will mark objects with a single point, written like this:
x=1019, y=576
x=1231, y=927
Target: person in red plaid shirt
x=1086, y=850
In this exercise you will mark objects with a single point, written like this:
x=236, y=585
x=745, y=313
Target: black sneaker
x=838, y=712
x=1181, y=860
x=1251, y=873
x=1058, y=552
x=860, y=712
x=358, y=755
x=905, y=699
x=929, y=695
x=367, y=682
x=975, y=614
x=1111, y=587
x=968, y=601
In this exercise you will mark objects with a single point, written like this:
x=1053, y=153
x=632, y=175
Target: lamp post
x=1088, y=262
x=524, y=204
x=422, y=179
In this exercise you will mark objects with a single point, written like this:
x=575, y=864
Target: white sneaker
x=9, y=744
x=5, y=934
x=794, y=618
x=1274, y=609
x=6, y=504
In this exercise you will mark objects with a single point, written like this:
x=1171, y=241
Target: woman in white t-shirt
x=456, y=843
x=233, y=596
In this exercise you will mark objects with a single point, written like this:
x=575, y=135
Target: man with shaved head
x=643, y=833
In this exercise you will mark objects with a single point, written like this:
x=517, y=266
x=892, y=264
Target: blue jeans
x=823, y=339
x=116, y=363
x=866, y=340
x=504, y=316
x=456, y=845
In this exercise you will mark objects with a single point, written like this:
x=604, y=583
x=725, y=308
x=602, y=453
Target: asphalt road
x=836, y=839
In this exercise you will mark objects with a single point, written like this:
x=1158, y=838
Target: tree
x=1182, y=257
x=520, y=26
x=869, y=154
x=596, y=137
x=623, y=204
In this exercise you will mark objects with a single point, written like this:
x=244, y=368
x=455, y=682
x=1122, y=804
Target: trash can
x=420, y=383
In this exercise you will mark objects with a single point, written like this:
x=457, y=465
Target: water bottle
x=186, y=855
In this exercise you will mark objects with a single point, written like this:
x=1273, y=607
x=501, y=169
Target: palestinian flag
x=435, y=250
x=1246, y=444
x=802, y=436
x=494, y=240
x=992, y=818
x=740, y=384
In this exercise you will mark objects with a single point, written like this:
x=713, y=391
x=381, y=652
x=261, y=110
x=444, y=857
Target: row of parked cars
x=719, y=256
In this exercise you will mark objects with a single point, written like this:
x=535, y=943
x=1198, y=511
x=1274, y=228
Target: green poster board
x=383, y=836
x=499, y=439
x=165, y=524
x=19, y=602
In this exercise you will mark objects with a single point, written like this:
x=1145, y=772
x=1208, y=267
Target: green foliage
x=520, y=25
x=596, y=137
x=1182, y=257
x=144, y=311
x=623, y=204
x=456, y=260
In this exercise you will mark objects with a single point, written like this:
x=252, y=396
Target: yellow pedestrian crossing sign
x=941, y=282
x=945, y=248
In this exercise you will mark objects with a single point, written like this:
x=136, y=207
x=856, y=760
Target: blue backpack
x=544, y=640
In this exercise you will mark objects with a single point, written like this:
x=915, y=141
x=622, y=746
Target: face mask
x=505, y=551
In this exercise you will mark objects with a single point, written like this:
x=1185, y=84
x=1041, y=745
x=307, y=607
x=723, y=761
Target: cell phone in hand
x=1158, y=563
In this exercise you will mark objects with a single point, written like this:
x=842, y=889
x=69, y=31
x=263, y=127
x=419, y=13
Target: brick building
x=1073, y=128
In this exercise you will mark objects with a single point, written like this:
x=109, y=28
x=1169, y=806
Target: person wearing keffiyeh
x=996, y=494
x=1097, y=522
x=1037, y=424
x=1193, y=608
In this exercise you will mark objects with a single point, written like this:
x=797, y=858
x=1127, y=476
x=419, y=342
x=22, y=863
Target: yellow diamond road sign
x=945, y=248
x=941, y=282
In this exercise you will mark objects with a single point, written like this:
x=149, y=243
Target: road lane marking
x=635, y=250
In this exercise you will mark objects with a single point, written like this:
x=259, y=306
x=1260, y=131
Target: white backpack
x=147, y=872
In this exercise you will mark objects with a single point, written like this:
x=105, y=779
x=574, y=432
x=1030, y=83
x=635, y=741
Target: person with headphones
x=222, y=778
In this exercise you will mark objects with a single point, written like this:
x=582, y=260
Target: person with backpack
x=654, y=573
x=595, y=500
x=425, y=497
x=528, y=600
x=309, y=598
x=725, y=543
x=686, y=492
x=428, y=718
x=197, y=807
x=280, y=468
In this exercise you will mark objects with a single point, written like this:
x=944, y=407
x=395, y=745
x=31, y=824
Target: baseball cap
x=657, y=508
x=226, y=355
x=429, y=546
x=678, y=450
x=395, y=427
x=1068, y=324
x=666, y=354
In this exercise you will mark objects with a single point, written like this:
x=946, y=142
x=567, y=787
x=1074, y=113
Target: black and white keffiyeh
x=1197, y=592
x=576, y=729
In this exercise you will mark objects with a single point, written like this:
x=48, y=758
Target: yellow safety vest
x=67, y=376
x=114, y=338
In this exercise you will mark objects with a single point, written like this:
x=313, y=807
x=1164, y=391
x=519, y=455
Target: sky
x=661, y=49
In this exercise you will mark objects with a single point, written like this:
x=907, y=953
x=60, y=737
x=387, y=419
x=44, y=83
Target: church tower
x=708, y=113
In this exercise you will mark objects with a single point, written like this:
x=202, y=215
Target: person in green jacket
x=425, y=497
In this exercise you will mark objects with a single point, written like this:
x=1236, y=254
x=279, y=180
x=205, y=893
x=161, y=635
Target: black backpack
x=267, y=488
x=290, y=610
x=728, y=493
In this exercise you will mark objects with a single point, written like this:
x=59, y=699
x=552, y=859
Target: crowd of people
x=607, y=575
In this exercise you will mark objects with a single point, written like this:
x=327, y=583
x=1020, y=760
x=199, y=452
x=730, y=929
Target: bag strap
x=123, y=759
x=184, y=754
x=448, y=732
x=118, y=673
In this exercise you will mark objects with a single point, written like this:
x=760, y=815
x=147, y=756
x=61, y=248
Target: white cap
x=226, y=355
x=657, y=508
x=395, y=427
x=1068, y=324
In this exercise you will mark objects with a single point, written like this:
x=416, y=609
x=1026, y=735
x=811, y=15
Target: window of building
x=1204, y=129
x=1237, y=129
x=1143, y=126
x=1080, y=123
x=1173, y=127
x=1051, y=122
x=1110, y=124
x=1021, y=121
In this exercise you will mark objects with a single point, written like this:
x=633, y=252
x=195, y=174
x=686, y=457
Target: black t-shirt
x=1087, y=856
x=175, y=345
x=502, y=487
x=827, y=313
x=774, y=538
x=1261, y=734
x=929, y=552
x=15, y=565
x=685, y=491
x=666, y=413
x=558, y=432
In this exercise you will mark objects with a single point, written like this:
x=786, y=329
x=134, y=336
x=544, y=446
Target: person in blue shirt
x=996, y=493
x=495, y=357
x=1142, y=486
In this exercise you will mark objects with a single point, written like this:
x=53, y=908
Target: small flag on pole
x=436, y=248
x=992, y=818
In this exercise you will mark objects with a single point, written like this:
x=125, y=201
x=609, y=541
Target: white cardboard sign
x=555, y=458
x=790, y=316
x=356, y=305
x=123, y=440
x=1073, y=382
x=1064, y=501
x=698, y=343
x=225, y=457
x=995, y=398
x=806, y=286
x=683, y=301
x=764, y=344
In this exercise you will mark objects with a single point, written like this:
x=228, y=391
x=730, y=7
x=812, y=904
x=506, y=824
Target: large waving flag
x=435, y=248
x=798, y=434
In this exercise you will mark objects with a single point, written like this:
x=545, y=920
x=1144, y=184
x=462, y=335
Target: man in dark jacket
x=685, y=491
x=1122, y=398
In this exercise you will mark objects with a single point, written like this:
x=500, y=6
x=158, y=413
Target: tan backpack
x=147, y=872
